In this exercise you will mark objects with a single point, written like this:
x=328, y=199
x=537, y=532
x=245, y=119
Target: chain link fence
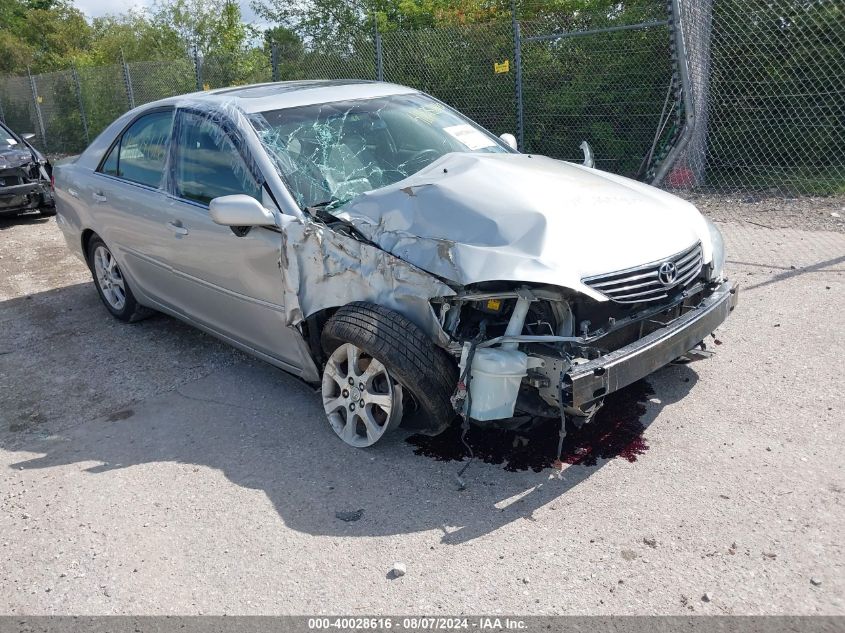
x=458, y=66
x=592, y=85
x=356, y=59
x=154, y=80
x=16, y=104
x=768, y=86
x=707, y=94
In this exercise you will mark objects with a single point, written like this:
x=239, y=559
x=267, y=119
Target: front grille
x=643, y=283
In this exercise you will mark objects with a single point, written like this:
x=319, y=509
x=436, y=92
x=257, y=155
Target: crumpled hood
x=14, y=157
x=470, y=218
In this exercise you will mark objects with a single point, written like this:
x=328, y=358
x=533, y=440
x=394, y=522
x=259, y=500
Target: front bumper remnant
x=589, y=381
x=24, y=197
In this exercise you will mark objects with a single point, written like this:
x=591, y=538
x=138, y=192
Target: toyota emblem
x=667, y=273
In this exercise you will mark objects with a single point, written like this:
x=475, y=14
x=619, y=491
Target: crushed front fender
x=322, y=268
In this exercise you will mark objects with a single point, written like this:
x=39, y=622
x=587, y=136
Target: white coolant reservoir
x=496, y=375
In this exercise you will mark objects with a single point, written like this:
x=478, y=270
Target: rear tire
x=427, y=374
x=111, y=285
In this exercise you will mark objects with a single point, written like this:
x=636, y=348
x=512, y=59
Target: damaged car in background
x=370, y=239
x=25, y=176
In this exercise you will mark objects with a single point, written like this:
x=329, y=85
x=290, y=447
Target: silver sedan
x=368, y=238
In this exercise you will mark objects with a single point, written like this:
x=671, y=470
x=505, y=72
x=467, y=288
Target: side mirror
x=239, y=210
x=27, y=136
x=509, y=139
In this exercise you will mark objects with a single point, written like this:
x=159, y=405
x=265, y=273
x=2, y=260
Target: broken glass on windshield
x=329, y=153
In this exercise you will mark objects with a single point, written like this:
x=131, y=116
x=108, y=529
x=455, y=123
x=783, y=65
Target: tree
x=40, y=34
x=213, y=26
x=134, y=36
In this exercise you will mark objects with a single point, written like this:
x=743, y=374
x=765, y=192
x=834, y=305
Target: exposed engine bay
x=517, y=347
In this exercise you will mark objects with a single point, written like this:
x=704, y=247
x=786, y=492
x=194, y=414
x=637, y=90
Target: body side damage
x=322, y=268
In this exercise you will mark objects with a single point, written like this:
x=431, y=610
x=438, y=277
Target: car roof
x=288, y=94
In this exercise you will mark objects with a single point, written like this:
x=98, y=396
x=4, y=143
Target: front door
x=229, y=283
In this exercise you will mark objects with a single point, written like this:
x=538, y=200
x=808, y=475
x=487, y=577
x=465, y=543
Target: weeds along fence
x=742, y=95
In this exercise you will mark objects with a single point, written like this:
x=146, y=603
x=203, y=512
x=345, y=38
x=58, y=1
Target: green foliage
x=607, y=89
x=134, y=36
x=779, y=82
x=775, y=105
x=46, y=35
x=41, y=34
x=229, y=58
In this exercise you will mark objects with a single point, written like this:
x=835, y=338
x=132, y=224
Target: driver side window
x=139, y=156
x=207, y=163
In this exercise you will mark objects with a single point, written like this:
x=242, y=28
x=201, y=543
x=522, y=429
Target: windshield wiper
x=332, y=203
x=322, y=211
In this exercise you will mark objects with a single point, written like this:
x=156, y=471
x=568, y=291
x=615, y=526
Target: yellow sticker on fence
x=206, y=87
x=504, y=67
x=40, y=99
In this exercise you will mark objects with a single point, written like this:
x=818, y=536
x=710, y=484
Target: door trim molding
x=225, y=291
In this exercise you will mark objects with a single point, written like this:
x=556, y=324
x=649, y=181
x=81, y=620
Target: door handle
x=177, y=228
x=99, y=197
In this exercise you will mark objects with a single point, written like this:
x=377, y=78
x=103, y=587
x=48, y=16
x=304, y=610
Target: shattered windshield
x=6, y=138
x=331, y=152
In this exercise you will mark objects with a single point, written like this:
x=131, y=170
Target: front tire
x=111, y=285
x=422, y=375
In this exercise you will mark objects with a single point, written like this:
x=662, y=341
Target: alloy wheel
x=109, y=278
x=360, y=398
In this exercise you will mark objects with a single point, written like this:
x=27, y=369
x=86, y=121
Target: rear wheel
x=381, y=361
x=112, y=286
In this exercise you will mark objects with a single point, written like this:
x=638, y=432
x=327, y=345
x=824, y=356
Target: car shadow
x=265, y=430
x=30, y=217
x=826, y=266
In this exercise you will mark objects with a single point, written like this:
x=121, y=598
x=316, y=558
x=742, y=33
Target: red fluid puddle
x=616, y=431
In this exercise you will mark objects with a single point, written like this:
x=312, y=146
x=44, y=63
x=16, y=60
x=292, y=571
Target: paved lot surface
x=151, y=469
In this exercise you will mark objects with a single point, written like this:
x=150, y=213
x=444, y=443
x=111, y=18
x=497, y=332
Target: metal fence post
x=681, y=61
x=517, y=60
x=274, y=61
x=2, y=114
x=379, y=57
x=127, y=81
x=78, y=88
x=197, y=68
x=38, y=117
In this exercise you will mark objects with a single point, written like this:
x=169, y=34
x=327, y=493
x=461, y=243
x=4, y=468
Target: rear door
x=228, y=282
x=127, y=200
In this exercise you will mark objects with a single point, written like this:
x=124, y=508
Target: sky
x=98, y=8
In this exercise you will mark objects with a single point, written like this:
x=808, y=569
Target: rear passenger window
x=207, y=163
x=140, y=154
x=110, y=164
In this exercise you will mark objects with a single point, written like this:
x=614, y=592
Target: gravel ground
x=151, y=469
x=774, y=212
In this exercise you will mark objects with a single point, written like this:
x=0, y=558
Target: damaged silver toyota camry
x=370, y=239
